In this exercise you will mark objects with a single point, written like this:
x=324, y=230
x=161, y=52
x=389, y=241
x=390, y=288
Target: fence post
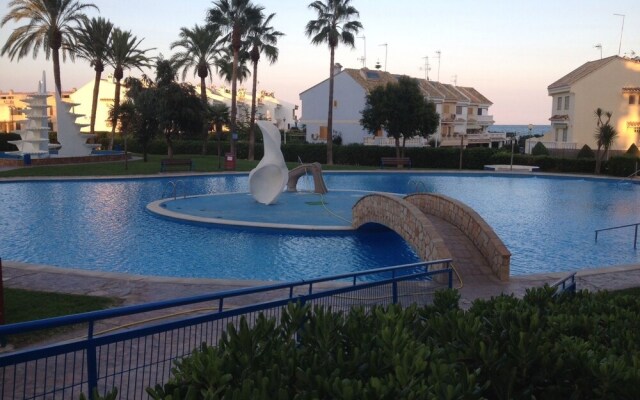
x=1, y=296
x=450, y=270
x=92, y=363
x=394, y=285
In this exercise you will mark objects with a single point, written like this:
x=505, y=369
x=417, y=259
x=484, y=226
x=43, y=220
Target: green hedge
x=4, y=139
x=474, y=158
x=624, y=165
x=585, y=346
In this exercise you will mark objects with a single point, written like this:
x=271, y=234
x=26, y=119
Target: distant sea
x=521, y=130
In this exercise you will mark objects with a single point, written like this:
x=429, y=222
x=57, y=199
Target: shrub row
x=474, y=158
x=585, y=346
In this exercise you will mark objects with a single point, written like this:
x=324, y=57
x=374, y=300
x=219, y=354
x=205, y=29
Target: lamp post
x=461, y=148
x=513, y=139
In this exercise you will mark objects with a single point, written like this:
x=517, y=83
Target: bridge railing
x=129, y=349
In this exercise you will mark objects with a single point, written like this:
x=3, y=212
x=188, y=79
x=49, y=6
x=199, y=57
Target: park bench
x=167, y=163
x=395, y=161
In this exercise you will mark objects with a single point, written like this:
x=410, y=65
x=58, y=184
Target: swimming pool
x=546, y=222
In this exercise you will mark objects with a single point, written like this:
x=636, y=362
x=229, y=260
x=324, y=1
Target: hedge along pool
x=546, y=222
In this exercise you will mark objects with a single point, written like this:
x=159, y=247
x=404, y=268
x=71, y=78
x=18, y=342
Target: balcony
x=389, y=141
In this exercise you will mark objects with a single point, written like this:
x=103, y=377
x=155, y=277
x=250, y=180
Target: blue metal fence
x=129, y=349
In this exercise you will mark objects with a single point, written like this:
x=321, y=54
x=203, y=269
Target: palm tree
x=93, y=45
x=124, y=54
x=218, y=116
x=262, y=38
x=601, y=135
x=335, y=24
x=605, y=137
x=52, y=27
x=201, y=48
x=224, y=65
x=234, y=17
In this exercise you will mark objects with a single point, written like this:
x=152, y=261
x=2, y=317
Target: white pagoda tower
x=35, y=132
x=73, y=142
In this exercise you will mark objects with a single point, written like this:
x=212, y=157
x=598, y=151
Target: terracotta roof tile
x=580, y=72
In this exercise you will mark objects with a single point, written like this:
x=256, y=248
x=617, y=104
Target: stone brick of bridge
x=471, y=224
x=405, y=219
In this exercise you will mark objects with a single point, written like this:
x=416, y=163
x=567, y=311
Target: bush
x=633, y=150
x=621, y=166
x=539, y=150
x=545, y=347
x=586, y=152
x=5, y=138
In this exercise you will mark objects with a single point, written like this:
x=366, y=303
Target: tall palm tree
x=200, y=50
x=336, y=23
x=124, y=54
x=224, y=65
x=601, y=135
x=94, y=38
x=234, y=17
x=262, y=38
x=51, y=27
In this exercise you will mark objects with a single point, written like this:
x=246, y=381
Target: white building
x=611, y=84
x=463, y=111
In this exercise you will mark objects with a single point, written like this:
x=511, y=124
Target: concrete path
x=133, y=289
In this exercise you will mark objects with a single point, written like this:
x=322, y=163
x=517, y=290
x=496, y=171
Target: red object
x=229, y=161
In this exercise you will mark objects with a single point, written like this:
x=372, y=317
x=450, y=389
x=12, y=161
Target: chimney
x=337, y=68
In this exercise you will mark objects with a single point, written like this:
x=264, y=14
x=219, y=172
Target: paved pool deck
x=136, y=289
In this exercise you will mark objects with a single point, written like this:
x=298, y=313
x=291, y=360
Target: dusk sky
x=509, y=50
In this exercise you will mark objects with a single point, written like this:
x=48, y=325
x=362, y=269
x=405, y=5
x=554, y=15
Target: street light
x=513, y=139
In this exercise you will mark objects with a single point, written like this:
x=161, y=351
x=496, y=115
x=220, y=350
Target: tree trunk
x=252, y=134
x=114, y=121
x=330, y=113
x=205, y=125
x=55, y=55
x=598, y=160
x=397, y=140
x=94, y=104
x=169, y=145
x=234, y=99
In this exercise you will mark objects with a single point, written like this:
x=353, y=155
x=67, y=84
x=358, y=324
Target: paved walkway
x=133, y=289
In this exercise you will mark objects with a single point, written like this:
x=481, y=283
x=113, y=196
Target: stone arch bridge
x=437, y=227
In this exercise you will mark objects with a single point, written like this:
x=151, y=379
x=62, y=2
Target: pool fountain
x=34, y=137
x=73, y=141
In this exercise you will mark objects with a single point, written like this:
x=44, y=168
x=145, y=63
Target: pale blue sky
x=509, y=50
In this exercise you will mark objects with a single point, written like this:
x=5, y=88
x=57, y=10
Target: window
x=632, y=99
x=335, y=103
x=446, y=109
x=564, y=134
x=479, y=111
x=459, y=110
x=558, y=130
x=559, y=107
x=323, y=132
x=566, y=102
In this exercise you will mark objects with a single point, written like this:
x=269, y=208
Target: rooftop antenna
x=439, y=54
x=599, y=46
x=426, y=68
x=364, y=58
x=386, y=47
x=621, y=29
x=455, y=80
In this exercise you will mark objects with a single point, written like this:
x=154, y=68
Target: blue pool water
x=547, y=223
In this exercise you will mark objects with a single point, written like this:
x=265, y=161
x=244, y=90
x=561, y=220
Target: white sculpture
x=73, y=142
x=35, y=133
x=268, y=179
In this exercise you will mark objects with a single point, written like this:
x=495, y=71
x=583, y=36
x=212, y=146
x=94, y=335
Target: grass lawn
x=207, y=163
x=28, y=305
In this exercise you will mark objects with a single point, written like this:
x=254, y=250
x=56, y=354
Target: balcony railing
x=387, y=141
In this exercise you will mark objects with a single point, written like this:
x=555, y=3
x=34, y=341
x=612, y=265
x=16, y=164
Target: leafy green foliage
x=111, y=395
x=401, y=110
x=539, y=150
x=574, y=346
x=586, y=152
x=633, y=150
